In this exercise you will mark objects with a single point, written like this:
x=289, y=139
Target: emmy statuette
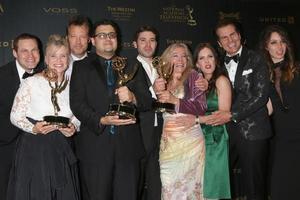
x=123, y=110
x=56, y=88
x=164, y=70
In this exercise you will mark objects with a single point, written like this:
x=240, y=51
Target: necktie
x=235, y=58
x=26, y=75
x=110, y=81
x=109, y=74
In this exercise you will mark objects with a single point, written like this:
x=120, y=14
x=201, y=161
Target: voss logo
x=60, y=10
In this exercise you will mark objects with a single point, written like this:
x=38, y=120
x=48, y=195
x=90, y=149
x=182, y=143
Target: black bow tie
x=235, y=58
x=26, y=75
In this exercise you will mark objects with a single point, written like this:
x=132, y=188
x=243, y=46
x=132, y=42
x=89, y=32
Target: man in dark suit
x=249, y=128
x=109, y=148
x=27, y=57
x=145, y=41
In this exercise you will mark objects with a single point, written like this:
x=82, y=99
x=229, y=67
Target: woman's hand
x=186, y=121
x=43, y=128
x=167, y=97
x=68, y=131
x=159, y=85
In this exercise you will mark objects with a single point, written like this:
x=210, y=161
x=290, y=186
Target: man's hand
x=218, y=118
x=114, y=120
x=125, y=95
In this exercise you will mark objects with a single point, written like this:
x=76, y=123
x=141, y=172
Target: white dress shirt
x=152, y=75
x=232, y=67
x=21, y=71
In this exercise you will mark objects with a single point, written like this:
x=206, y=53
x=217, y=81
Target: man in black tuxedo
x=27, y=57
x=145, y=41
x=109, y=148
x=249, y=128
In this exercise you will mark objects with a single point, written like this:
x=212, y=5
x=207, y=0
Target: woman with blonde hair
x=182, y=144
x=45, y=166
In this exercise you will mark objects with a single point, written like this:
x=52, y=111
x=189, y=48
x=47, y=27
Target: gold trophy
x=56, y=88
x=123, y=110
x=164, y=70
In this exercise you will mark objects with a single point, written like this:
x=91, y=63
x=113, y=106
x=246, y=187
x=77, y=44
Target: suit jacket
x=9, y=84
x=250, y=95
x=151, y=139
x=89, y=101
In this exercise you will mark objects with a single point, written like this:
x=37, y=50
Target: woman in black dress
x=45, y=166
x=285, y=98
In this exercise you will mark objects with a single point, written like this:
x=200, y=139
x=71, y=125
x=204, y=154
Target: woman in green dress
x=216, y=183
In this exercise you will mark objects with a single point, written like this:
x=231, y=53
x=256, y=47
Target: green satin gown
x=216, y=172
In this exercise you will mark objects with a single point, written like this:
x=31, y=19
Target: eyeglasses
x=102, y=36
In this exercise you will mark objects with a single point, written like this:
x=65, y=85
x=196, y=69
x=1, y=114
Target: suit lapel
x=240, y=67
x=15, y=77
x=100, y=70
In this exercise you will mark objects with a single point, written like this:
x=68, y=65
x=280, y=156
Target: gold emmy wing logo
x=190, y=20
x=1, y=9
x=223, y=15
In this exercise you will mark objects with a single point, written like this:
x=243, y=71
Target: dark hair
x=233, y=22
x=106, y=22
x=144, y=29
x=79, y=20
x=218, y=70
x=289, y=70
x=25, y=36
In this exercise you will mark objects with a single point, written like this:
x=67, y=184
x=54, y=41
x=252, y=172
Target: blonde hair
x=167, y=56
x=56, y=41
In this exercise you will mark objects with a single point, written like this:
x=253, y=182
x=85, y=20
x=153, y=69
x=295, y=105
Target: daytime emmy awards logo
x=190, y=21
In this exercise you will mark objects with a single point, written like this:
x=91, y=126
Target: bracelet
x=197, y=120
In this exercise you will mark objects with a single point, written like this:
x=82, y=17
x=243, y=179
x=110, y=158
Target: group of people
x=239, y=111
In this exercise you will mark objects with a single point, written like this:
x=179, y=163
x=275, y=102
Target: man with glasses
x=109, y=148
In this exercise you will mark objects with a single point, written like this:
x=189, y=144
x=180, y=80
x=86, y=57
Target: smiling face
x=179, y=61
x=206, y=62
x=57, y=58
x=276, y=47
x=229, y=39
x=27, y=54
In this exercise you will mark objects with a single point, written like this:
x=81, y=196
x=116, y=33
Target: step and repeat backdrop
x=176, y=20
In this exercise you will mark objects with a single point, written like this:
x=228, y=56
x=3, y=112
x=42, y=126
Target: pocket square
x=246, y=72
